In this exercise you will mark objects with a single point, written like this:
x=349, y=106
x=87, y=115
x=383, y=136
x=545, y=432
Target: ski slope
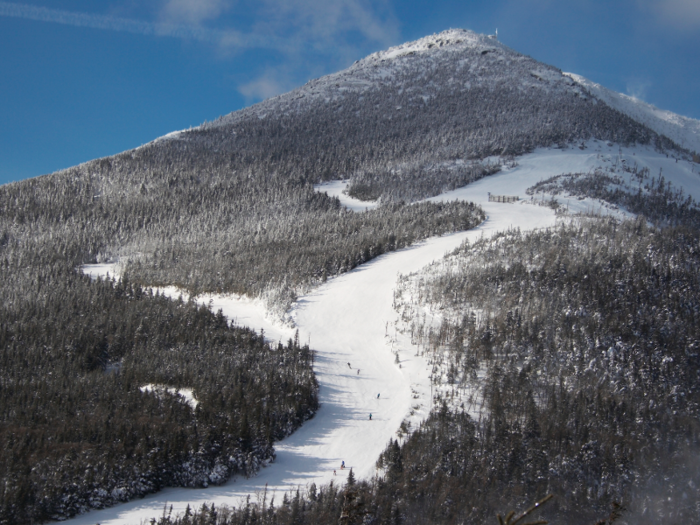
x=349, y=322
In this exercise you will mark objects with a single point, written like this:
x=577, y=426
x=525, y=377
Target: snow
x=586, y=157
x=684, y=131
x=336, y=188
x=350, y=319
x=453, y=37
x=103, y=270
x=186, y=395
x=173, y=135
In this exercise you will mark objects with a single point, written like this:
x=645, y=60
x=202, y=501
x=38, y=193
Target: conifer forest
x=565, y=361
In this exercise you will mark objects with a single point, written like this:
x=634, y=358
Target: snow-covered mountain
x=392, y=84
x=461, y=60
x=454, y=60
x=232, y=207
x=397, y=120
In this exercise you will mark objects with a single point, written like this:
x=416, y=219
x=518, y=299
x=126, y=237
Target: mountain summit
x=411, y=109
x=455, y=60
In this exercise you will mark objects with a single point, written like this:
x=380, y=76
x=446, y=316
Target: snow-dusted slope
x=468, y=55
x=587, y=158
x=682, y=130
x=350, y=320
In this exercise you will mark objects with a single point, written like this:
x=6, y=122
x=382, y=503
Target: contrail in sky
x=229, y=38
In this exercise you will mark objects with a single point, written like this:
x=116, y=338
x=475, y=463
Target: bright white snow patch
x=186, y=395
x=336, y=188
x=103, y=270
x=587, y=157
x=449, y=37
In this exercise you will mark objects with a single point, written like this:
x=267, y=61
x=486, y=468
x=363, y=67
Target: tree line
x=77, y=429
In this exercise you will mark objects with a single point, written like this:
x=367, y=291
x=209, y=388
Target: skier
x=370, y=417
x=358, y=371
x=349, y=366
x=334, y=472
x=342, y=465
x=377, y=396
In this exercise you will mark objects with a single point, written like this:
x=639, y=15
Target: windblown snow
x=682, y=130
x=351, y=324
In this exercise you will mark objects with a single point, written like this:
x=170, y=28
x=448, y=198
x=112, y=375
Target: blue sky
x=83, y=79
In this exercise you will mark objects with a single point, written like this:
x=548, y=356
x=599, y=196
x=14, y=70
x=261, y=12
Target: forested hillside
x=76, y=428
x=417, y=119
x=229, y=207
x=583, y=341
x=403, y=124
x=588, y=340
x=79, y=430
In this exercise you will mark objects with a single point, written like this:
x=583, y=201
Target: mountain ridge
x=684, y=131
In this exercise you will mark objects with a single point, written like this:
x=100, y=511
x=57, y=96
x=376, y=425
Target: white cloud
x=111, y=23
x=682, y=14
x=192, y=12
x=285, y=25
x=114, y=23
x=324, y=21
x=270, y=84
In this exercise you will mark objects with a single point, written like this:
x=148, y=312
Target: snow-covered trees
x=78, y=431
x=230, y=207
x=586, y=340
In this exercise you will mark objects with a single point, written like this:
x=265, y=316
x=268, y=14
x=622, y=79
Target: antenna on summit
x=495, y=37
